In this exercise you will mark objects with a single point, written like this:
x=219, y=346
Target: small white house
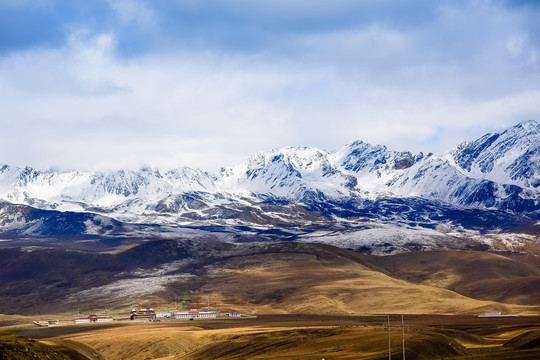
x=102, y=319
x=207, y=314
x=185, y=315
x=496, y=314
x=163, y=314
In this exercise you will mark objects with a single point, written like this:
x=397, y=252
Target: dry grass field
x=314, y=302
x=299, y=337
x=343, y=285
x=479, y=275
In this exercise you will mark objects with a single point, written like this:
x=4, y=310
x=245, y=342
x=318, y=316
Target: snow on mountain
x=286, y=173
x=375, y=169
x=497, y=171
x=511, y=157
x=77, y=190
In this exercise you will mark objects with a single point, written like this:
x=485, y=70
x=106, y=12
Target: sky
x=125, y=83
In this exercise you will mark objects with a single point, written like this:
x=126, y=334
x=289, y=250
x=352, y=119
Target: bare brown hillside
x=479, y=275
x=335, y=284
x=285, y=277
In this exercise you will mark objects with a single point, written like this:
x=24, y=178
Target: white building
x=93, y=319
x=496, y=314
x=186, y=314
x=102, y=319
x=164, y=315
x=208, y=314
x=196, y=314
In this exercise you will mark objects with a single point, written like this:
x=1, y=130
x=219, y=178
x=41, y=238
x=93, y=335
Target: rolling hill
x=283, y=277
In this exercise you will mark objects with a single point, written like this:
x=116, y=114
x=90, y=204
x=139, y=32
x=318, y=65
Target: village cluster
x=145, y=315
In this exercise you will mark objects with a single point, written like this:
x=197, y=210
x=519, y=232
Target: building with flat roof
x=142, y=314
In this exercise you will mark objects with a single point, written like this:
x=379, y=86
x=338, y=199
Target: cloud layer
x=122, y=83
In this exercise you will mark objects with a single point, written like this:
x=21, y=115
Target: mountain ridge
x=494, y=177
x=297, y=168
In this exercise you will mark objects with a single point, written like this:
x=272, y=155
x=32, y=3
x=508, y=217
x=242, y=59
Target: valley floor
x=286, y=337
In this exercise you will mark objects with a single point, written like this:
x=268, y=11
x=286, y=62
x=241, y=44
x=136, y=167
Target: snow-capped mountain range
x=496, y=174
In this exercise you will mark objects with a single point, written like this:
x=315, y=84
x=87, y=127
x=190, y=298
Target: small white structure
x=208, y=314
x=495, y=314
x=163, y=314
x=102, y=319
x=186, y=314
x=167, y=314
x=196, y=314
x=93, y=318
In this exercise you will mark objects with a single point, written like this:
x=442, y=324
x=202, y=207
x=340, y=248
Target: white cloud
x=81, y=104
x=420, y=89
x=129, y=11
x=521, y=50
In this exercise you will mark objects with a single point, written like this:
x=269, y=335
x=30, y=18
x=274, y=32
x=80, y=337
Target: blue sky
x=122, y=83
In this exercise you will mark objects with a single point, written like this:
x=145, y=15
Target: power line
x=389, y=345
x=403, y=336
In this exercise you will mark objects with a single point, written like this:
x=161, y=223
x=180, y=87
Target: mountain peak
x=529, y=125
x=508, y=157
x=475, y=173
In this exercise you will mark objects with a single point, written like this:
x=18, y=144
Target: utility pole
x=389, y=346
x=403, y=336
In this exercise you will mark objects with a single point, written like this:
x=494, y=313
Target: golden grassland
x=317, y=305
x=298, y=337
x=304, y=283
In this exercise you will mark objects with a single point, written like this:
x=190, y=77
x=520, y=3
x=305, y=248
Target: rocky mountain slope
x=489, y=185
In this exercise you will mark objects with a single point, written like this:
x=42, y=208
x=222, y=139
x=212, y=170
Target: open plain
x=293, y=337
x=312, y=301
